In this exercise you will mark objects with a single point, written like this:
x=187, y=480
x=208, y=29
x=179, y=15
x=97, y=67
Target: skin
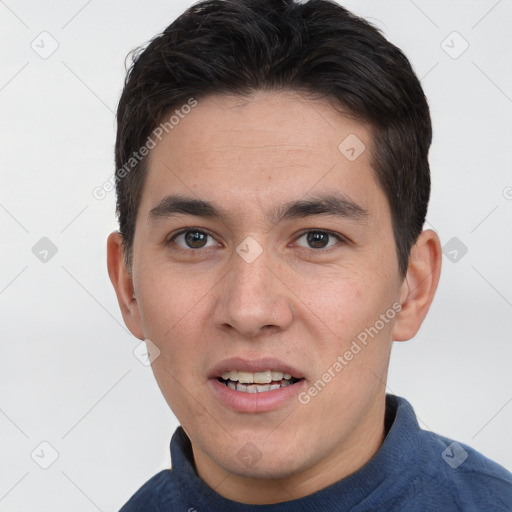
x=304, y=305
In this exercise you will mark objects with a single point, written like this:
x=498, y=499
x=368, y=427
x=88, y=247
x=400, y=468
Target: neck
x=347, y=458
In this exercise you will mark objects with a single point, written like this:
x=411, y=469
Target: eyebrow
x=175, y=205
x=337, y=205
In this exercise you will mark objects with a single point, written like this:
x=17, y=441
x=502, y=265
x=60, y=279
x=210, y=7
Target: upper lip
x=253, y=365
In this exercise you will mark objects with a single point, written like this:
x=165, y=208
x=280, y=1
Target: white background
x=68, y=373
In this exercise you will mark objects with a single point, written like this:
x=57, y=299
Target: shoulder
x=466, y=477
x=438, y=473
x=157, y=494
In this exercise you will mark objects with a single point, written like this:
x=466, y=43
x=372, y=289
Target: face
x=264, y=252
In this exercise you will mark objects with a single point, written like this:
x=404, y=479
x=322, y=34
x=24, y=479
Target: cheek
x=351, y=321
x=167, y=298
x=174, y=315
x=175, y=312
x=340, y=300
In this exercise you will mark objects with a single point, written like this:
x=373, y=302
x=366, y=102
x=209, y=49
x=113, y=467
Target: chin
x=266, y=459
x=266, y=469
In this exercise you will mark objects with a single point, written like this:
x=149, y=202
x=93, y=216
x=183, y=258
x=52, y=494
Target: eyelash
x=341, y=239
x=188, y=230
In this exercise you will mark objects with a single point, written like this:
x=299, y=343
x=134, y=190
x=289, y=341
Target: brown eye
x=194, y=239
x=318, y=240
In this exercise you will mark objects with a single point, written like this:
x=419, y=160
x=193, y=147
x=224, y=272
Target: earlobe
x=419, y=285
x=123, y=284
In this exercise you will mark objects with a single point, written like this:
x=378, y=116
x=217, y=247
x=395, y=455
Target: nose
x=253, y=298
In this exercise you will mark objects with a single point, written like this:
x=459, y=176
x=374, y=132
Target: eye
x=318, y=239
x=193, y=239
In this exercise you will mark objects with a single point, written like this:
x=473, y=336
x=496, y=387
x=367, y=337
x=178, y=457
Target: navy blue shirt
x=413, y=471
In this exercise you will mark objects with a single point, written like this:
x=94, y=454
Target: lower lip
x=256, y=402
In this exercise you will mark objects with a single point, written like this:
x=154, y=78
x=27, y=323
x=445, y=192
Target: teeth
x=246, y=377
x=265, y=377
x=256, y=388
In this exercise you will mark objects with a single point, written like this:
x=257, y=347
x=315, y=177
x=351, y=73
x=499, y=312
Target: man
x=272, y=186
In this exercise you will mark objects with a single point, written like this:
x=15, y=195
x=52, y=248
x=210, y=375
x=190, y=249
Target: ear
x=419, y=285
x=123, y=284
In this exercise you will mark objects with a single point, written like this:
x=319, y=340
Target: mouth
x=257, y=382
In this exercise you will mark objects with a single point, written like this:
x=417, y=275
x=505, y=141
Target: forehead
x=258, y=151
